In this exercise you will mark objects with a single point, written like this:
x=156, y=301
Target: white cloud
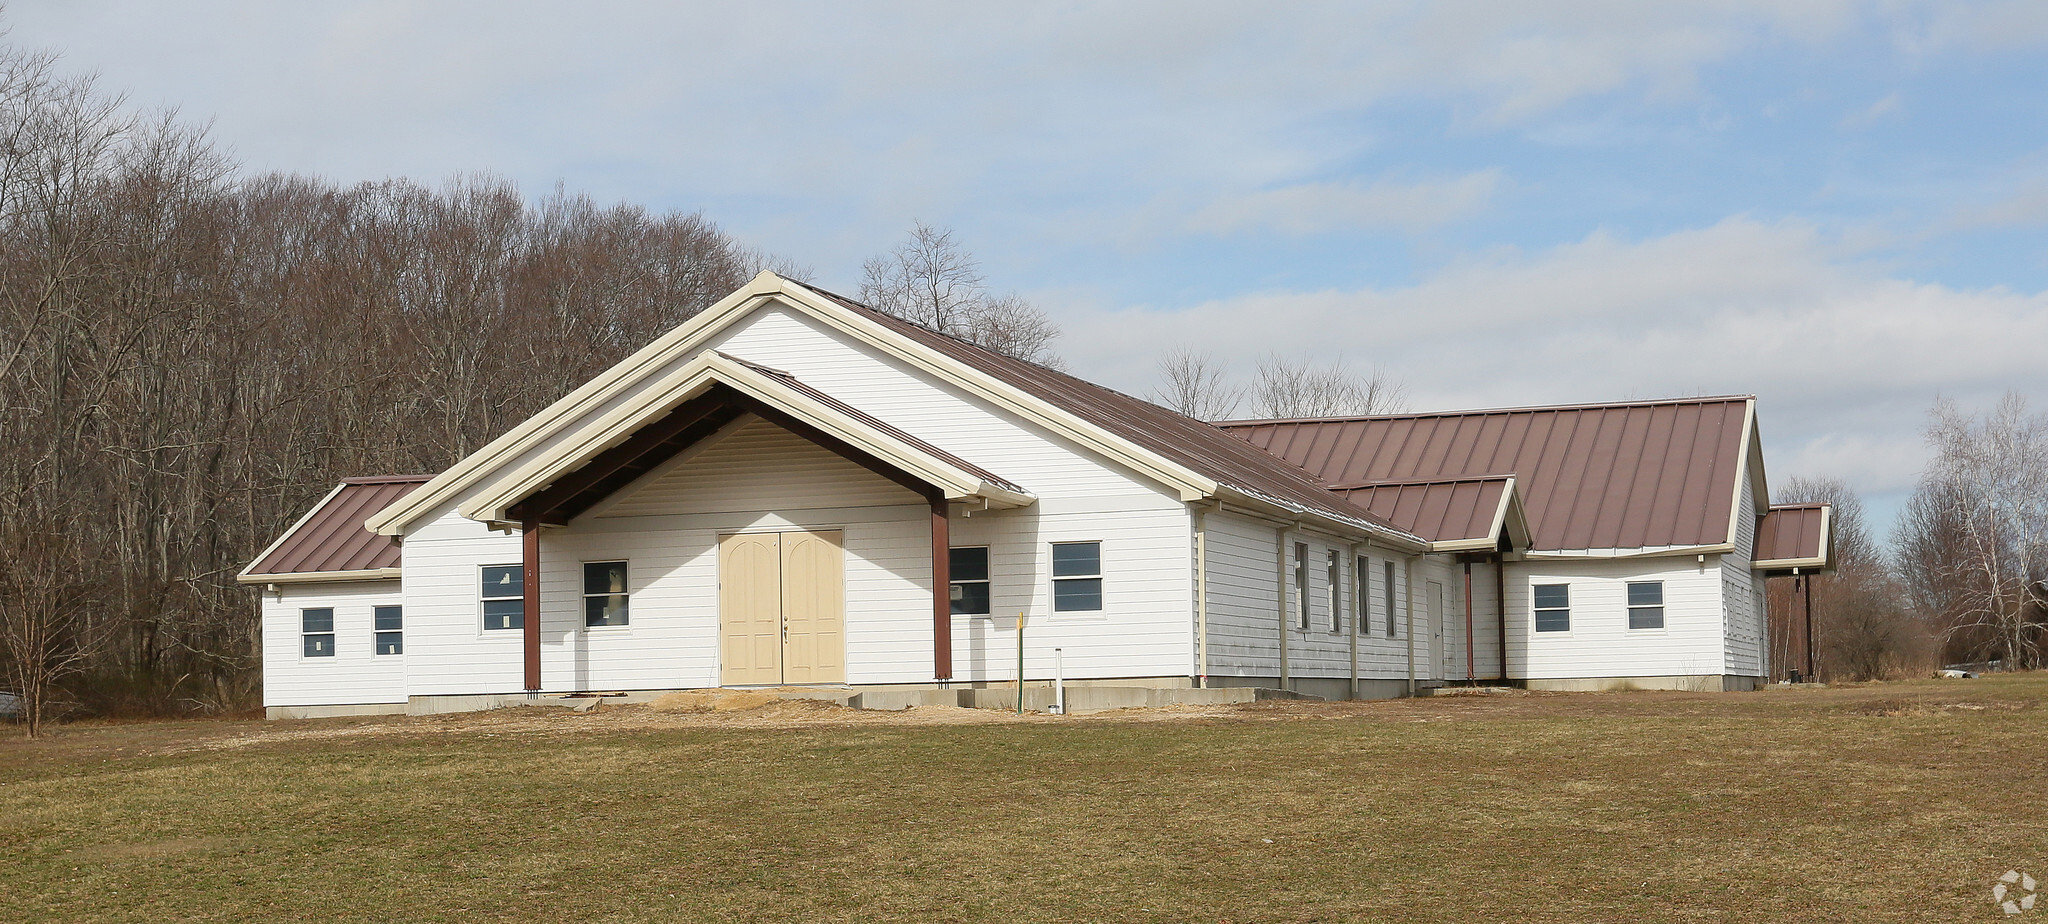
x=1312, y=208
x=1845, y=358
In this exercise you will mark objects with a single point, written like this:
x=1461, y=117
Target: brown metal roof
x=1634, y=475
x=331, y=538
x=870, y=420
x=1795, y=535
x=1184, y=440
x=1441, y=511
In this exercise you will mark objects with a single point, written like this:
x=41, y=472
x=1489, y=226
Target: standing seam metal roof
x=1633, y=475
x=332, y=538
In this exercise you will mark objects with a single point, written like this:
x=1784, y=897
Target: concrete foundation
x=328, y=712
x=1694, y=683
x=1330, y=688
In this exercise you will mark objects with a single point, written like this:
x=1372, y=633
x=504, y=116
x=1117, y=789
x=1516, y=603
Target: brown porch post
x=1500, y=603
x=1471, y=670
x=942, y=591
x=1806, y=597
x=529, y=542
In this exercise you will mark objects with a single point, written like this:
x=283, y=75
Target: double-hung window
x=390, y=629
x=1646, y=604
x=604, y=593
x=968, y=570
x=1076, y=577
x=1301, y=585
x=504, y=597
x=316, y=631
x=1553, y=607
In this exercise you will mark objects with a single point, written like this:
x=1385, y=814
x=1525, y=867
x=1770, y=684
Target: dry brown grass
x=1884, y=802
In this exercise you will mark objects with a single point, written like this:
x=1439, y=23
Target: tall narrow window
x=1301, y=584
x=316, y=631
x=604, y=593
x=390, y=629
x=968, y=566
x=503, y=596
x=1334, y=591
x=1361, y=595
x=1646, y=604
x=1076, y=577
x=1553, y=607
x=1388, y=590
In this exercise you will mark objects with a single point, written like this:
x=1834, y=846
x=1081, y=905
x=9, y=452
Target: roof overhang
x=319, y=577
x=1822, y=561
x=776, y=394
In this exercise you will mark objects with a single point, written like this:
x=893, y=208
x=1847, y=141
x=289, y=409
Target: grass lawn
x=1892, y=802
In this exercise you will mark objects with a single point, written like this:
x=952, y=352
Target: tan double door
x=782, y=608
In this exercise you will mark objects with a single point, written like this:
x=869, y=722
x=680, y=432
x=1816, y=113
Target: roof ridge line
x=1480, y=412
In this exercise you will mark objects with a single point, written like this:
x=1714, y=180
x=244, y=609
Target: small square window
x=316, y=632
x=1553, y=607
x=390, y=630
x=1646, y=604
x=967, y=567
x=503, y=595
x=1076, y=577
x=604, y=593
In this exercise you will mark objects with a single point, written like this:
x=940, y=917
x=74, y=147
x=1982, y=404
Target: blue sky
x=1839, y=206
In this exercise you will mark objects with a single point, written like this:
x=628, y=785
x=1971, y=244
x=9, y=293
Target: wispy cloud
x=1313, y=208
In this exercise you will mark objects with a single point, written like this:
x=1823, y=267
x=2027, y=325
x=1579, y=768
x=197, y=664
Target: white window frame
x=377, y=632
x=1301, y=619
x=1101, y=583
x=481, y=599
x=1393, y=624
x=988, y=579
x=1535, y=618
x=583, y=598
x=333, y=637
x=1361, y=595
x=1335, y=592
x=1660, y=606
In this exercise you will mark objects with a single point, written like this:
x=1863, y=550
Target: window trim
x=1335, y=592
x=333, y=641
x=584, y=595
x=481, y=599
x=1101, y=583
x=1632, y=606
x=988, y=570
x=1301, y=607
x=377, y=631
x=1535, y=617
x=1361, y=595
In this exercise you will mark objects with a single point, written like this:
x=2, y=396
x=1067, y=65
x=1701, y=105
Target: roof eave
x=1343, y=526
x=319, y=577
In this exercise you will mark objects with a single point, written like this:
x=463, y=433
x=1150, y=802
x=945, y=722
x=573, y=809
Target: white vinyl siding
x=354, y=675
x=1244, y=624
x=760, y=466
x=1600, y=643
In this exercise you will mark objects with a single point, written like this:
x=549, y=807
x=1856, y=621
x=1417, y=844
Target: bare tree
x=1196, y=384
x=1973, y=541
x=1297, y=387
x=931, y=281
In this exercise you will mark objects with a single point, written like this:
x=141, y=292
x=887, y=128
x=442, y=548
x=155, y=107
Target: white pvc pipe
x=1059, y=683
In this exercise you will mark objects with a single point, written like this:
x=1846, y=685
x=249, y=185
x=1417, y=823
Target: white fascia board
x=1719, y=548
x=691, y=334
x=1190, y=484
x=693, y=379
x=472, y=468
x=319, y=577
x=1751, y=450
x=287, y=534
x=1342, y=527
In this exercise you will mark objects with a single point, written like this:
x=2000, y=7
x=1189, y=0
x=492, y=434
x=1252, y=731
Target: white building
x=792, y=489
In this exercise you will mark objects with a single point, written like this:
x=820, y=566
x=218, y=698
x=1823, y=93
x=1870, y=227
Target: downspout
x=1357, y=611
x=1470, y=642
x=529, y=547
x=1408, y=577
x=1201, y=670
x=1500, y=601
x=1280, y=551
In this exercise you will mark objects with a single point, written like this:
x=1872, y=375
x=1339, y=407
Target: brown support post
x=942, y=591
x=1471, y=672
x=1500, y=603
x=529, y=542
x=1806, y=594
